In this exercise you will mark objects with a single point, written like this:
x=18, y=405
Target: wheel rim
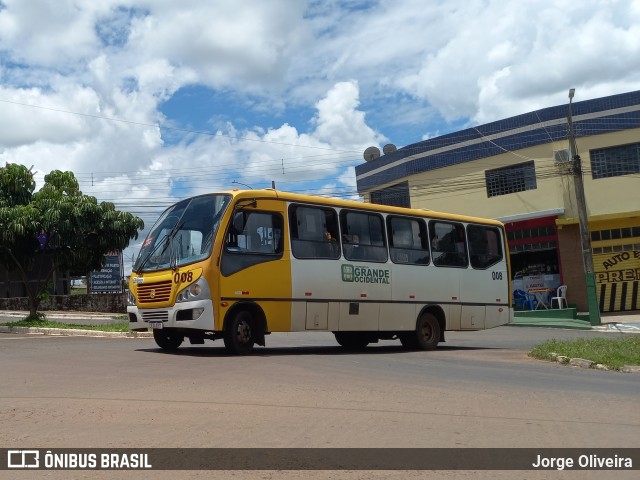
x=243, y=332
x=426, y=331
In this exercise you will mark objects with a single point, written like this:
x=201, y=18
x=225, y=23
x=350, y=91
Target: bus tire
x=352, y=340
x=167, y=340
x=427, y=334
x=240, y=334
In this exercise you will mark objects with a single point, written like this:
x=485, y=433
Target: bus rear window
x=485, y=247
x=448, y=244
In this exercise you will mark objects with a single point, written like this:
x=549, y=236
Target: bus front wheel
x=167, y=340
x=426, y=335
x=240, y=334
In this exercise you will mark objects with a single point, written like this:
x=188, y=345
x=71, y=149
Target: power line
x=177, y=129
x=300, y=164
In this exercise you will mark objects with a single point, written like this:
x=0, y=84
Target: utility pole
x=585, y=236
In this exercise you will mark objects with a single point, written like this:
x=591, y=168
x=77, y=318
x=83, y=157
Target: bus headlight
x=196, y=291
x=131, y=299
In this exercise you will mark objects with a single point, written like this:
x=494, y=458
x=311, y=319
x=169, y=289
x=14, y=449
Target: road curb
x=588, y=364
x=70, y=332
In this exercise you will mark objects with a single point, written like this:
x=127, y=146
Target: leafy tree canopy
x=73, y=228
x=16, y=185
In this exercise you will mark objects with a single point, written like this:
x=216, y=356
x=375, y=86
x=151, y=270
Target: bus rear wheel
x=352, y=340
x=167, y=340
x=426, y=335
x=240, y=334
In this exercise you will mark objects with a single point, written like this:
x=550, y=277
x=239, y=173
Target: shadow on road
x=308, y=350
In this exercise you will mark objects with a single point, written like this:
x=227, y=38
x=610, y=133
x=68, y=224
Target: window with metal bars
x=511, y=179
x=615, y=161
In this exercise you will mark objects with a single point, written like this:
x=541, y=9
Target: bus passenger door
x=253, y=264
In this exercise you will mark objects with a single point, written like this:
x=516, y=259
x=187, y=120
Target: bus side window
x=408, y=243
x=252, y=238
x=485, y=247
x=448, y=244
x=314, y=232
x=363, y=236
x=235, y=230
x=261, y=230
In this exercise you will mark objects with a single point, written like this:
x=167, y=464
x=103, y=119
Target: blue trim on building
x=482, y=149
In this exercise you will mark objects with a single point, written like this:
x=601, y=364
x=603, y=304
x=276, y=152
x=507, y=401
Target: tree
x=57, y=222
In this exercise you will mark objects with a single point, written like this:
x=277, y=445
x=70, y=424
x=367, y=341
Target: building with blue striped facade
x=519, y=170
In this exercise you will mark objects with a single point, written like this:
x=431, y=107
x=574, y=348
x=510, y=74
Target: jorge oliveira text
x=588, y=462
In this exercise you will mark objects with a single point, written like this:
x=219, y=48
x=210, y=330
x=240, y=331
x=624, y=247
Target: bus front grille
x=158, y=315
x=154, y=292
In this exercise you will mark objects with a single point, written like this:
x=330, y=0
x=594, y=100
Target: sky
x=152, y=101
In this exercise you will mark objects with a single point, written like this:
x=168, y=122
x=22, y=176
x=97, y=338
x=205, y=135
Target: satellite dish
x=371, y=153
x=389, y=148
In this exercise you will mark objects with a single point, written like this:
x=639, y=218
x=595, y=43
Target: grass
x=613, y=353
x=122, y=326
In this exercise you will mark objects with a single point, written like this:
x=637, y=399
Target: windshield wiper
x=167, y=241
x=173, y=255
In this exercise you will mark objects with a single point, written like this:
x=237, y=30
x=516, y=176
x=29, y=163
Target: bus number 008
x=496, y=275
x=183, y=277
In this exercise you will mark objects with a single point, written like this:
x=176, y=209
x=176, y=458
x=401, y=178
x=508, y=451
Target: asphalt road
x=479, y=389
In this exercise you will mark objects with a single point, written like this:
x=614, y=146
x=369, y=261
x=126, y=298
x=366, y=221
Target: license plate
x=156, y=325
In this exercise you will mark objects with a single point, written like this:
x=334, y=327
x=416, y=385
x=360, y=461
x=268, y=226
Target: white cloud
x=446, y=53
x=482, y=60
x=501, y=63
x=46, y=120
x=339, y=121
x=288, y=156
x=54, y=34
x=472, y=61
x=227, y=44
x=402, y=62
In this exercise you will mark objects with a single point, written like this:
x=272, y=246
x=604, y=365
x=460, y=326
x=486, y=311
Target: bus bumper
x=195, y=315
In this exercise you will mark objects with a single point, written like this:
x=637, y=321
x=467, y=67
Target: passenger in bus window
x=350, y=244
x=333, y=250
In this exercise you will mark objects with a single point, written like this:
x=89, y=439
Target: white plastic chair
x=561, y=297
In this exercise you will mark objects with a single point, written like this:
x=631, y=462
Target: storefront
x=533, y=249
x=616, y=259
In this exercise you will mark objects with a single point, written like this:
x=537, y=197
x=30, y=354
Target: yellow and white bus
x=239, y=265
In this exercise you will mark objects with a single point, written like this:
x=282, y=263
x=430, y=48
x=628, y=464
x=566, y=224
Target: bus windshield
x=183, y=234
